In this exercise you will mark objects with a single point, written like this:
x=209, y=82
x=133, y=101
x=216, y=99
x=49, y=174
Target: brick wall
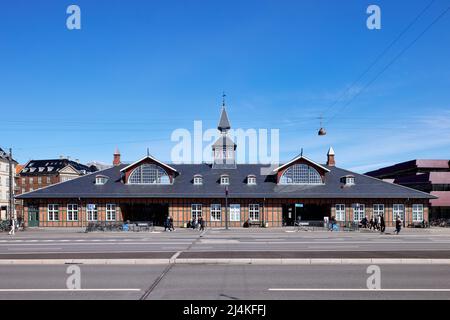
x=270, y=210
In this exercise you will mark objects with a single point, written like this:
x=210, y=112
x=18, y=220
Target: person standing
x=398, y=225
x=382, y=224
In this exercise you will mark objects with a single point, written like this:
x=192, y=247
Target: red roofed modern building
x=432, y=176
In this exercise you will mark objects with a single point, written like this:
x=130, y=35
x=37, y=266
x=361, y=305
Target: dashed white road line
x=361, y=289
x=72, y=290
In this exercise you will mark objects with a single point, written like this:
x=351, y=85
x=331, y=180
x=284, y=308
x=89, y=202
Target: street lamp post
x=11, y=189
x=226, y=208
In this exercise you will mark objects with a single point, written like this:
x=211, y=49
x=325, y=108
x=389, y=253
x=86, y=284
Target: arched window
x=301, y=174
x=149, y=174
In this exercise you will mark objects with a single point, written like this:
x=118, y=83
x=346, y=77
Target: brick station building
x=149, y=190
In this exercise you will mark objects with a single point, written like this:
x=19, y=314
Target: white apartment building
x=4, y=183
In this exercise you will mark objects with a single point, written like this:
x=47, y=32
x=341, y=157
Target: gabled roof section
x=149, y=158
x=298, y=158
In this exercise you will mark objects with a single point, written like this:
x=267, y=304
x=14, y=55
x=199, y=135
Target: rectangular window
x=30, y=180
x=39, y=180
x=359, y=212
x=417, y=212
x=48, y=180
x=378, y=210
x=53, y=212
x=72, y=212
x=398, y=210
x=216, y=212
x=340, y=212
x=253, y=212
x=196, y=211
x=110, y=212
x=235, y=212
x=92, y=213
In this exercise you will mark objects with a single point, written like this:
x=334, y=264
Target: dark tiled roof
x=5, y=156
x=412, y=165
x=266, y=187
x=52, y=166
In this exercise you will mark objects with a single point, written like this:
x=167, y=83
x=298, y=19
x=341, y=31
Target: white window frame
x=301, y=174
x=198, y=180
x=224, y=180
x=216, y=212
x=53, y=212
x=377, y=211
x=253, y=211
x=72, y=212
x=235, y=212
x=417, y=212
x=398, y=209
x=91, y=213
x=100, y=180
x=358, y=214
x=196, y=210
x=111, y=212
x=340, y=212
x=251, y=180
x=158, y=176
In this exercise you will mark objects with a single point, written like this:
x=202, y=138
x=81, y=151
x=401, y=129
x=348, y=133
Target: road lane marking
x=360, y=290
x=71, y=290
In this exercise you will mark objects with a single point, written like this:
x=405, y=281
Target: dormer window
x=41, y=169
x=149, y=174
x=251, y=179
x=224, y=179
x=301, y=174
x=348, y=180
x=198, y=180
x=101, y=180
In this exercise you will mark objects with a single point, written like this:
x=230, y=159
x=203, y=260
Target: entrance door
x=288, y=215
x=33, y=216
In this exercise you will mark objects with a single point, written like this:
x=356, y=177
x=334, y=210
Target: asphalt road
x=216, y=282
x=221, y=243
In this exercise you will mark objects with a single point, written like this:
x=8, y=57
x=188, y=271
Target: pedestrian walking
x=171, y=228
x=398, y=225
x=201, y=223
x=332, y=223
x=13, y=227
x=167, y=224
x=382, y=224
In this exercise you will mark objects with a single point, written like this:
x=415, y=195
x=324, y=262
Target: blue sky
x=137, y=70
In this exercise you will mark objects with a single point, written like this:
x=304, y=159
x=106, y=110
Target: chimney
x=116, y=160
x=330, y=157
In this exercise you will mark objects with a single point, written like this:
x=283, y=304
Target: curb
x=249, y=261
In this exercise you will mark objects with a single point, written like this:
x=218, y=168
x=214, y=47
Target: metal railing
x=109, y=226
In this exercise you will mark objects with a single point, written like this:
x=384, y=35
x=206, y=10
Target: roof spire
x=224, y=123
x=148, y=152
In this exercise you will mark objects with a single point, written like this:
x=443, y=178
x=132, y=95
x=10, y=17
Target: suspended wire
x=390, y=64
x=378, y=58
